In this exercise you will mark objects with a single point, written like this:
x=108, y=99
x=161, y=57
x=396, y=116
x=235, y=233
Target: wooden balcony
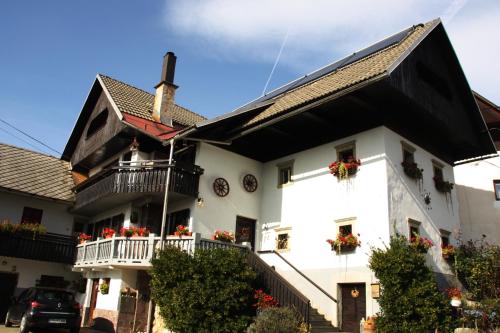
x=136, y=252
x=134, y=179
x=47, y=247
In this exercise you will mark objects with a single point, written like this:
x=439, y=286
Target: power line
x=29, y=136
x=21, y=139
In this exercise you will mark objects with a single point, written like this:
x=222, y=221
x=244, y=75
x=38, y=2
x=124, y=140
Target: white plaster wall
x=478, y=209
x=311, y=205
x=55, y=217
x=406, y=198
x=220, y=212
x=31, y=270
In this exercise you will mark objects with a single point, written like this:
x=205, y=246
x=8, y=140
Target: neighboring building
x=37, y=189
x=478, y=186
x=262, y=172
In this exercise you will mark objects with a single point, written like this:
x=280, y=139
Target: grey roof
x=139, y=103
x=35, y=173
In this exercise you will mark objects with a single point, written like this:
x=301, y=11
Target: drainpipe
x=165, y=198
x=162, y=231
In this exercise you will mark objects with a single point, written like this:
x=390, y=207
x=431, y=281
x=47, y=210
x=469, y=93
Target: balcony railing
x=139, y=177
x=137, y=251
x=47, y=247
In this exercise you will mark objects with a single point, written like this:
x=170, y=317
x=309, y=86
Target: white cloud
x=322, y=31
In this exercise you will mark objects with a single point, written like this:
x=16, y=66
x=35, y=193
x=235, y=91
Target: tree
x=210, y=291
x=410, y=300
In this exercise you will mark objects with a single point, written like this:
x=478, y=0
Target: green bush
x=277, y=320
x=410, y=300
x=208, y=292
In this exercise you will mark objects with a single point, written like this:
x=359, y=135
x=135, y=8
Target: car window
x=23, y=297
x=53, y=296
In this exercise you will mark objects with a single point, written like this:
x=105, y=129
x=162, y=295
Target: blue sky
x=51, y=50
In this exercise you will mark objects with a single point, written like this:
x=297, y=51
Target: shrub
x=210, y=291
x=277, y=320
x=410, y=300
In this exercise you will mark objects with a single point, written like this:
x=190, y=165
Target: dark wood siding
x=87, y=146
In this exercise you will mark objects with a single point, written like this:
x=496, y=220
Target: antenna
x=276, y=62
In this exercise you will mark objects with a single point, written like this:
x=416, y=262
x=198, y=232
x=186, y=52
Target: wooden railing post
x=84, y=257
x=112, y=250
x=97, y=249
x=196, y=242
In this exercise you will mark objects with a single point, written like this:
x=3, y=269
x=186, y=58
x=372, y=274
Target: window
x=97, y=123
x=438, y=170
x=32, y=215
x=177, y=218
x=345, y=226
x=413, y=228
x=496, y=185
x=285, y=172
x=408, y=153
x=283, y=239
x=346, y=151
x=345, y=230
x=445, y=237
x=95, y=229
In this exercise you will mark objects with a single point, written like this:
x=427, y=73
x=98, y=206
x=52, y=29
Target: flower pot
x=344, y=248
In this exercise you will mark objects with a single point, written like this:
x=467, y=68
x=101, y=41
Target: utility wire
x=21, y=139
x=29, y=136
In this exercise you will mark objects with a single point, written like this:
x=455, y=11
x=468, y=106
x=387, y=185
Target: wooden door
x=93, y=300
x=245, y=230
x=8, y=283
x=353, y=306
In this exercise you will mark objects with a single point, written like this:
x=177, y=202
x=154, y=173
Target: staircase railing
x=279, y=287
x=301, y=274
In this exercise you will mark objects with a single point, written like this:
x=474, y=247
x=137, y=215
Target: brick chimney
x=165, y=91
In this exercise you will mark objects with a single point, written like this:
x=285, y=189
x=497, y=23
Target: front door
x=93, y=300
x=8, y=283
x=245, y=230
x=353, y=306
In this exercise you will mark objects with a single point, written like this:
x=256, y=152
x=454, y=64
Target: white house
x=401, y=106
x=478, y=185
x=35, y=189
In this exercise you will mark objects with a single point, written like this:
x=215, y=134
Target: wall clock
x=221, y=187
x=250, y=183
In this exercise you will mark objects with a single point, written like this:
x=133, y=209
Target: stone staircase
x=319, y=324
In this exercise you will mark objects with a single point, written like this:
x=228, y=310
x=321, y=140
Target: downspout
x=163, y=222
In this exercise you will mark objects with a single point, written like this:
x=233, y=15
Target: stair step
x=319, y=324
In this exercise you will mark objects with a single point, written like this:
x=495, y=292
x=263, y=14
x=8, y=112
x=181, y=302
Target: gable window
x=32, y=215
x=413, y=228
x=496, y=186
x=346, y=152
x=285, y=172
x=97, y=123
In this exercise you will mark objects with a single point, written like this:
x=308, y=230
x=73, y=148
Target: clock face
x=250, y=183
x=221, y=187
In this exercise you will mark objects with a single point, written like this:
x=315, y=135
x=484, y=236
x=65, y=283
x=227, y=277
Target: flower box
x=344, y=243
x=108, y=232
x=343, y=170
x=421, y=244
x=134, y=232
x=448, y=252
x=223, y=236
x=442, y=185
x=83, y=237
x=182, y=230
x=412, y=170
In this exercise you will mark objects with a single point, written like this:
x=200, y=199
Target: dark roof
x=34, y=173
x=350, y=71
x=140, y=103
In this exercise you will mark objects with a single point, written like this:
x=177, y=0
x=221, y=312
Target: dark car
x=42, y=308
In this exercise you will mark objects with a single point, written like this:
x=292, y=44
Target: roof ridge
x=31, y=151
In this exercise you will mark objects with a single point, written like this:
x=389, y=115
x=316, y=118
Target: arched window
x=97, y=123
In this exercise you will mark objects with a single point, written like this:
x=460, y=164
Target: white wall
x=31, y=270
x=406, y=199
x=313, y=203
x=479, y=210
x=220, y=212
x=55, y=217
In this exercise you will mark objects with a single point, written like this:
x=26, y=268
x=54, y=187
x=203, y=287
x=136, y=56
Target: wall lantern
x=375, y=290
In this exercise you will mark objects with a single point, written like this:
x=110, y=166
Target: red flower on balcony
x=223, y=236
x=182, y=230
x=343, y=170
x=344, y=243
x=108, y=232
x=83, y=237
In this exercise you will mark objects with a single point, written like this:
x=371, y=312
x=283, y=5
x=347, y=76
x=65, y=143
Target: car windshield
x=53, y=296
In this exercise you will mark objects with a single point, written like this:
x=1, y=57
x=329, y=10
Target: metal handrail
x=300, y=273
